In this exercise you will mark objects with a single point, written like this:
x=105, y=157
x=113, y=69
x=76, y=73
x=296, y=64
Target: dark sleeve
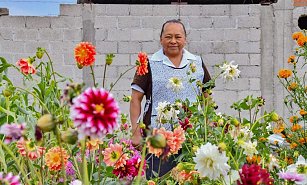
x=142, y=81
x=207, y=77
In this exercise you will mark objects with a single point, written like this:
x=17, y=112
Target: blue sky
x=34, y=7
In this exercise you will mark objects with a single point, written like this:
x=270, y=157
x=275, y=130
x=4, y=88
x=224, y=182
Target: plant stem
x=57, y=131
x=51, y=64
x=93, y=76
x=104, y=75
x=138, y=180
x=85, y=179
x=121, y=74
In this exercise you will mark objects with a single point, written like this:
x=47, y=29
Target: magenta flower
x=291, y=176
x=94, y=113
x=70, y=169
x=12, y=132
x=254, y=175
x=130, y=169
x=9, y=179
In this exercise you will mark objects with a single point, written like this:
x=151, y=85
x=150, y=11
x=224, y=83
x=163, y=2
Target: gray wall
x=257, y=37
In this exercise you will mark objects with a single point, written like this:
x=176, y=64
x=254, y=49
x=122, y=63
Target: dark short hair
x=177, y=21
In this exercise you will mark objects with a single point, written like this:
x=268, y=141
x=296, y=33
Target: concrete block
x=109, y=22
x=165, y=10
x=250, y=71
x=7, y=33
x=155, y=22
x=225, y=47
x=123, y=84
x=254, y=84
x=25, y=34
x=119, y=35
x=200, y=22
x=248, y=47
x=111, y=71
x=101, y=34
x=117, y=10
x=74, y=10
x=240, y=84
x=12, y=46
x=254, y=10
x=121, y=60
x=213, y=59
x=157, y=33
x=50, y=34
x=255, y=59
x=8, y=57
x=38, y=22
x=129, y=22
x=69, y=59
x=12, y=21
x=72, y=34
x=142, y=34
x=239, y=10
x=58, y=47
x=100, y=9
x=236, y=34
x=240, y=59
x=150, y=46
x=215, y=10
x=249, y=22
x=129, y=47
x=224, y=99
x=200, y=47
x=127, y=75
x=103, y=47
x=193, y=35
x=212, y=35
x=224, y=22
x=244, y=94
x=254, y=34
x=66, y=22
x=190, y=10
x=31, y=46
x=220, y=84
x=141, y=10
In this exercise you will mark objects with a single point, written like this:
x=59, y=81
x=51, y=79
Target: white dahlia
x=175, y=84
x=210, y=162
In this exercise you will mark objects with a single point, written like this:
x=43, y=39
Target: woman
x=170, y=61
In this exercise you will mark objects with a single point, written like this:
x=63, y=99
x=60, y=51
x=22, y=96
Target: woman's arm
x=135, y=112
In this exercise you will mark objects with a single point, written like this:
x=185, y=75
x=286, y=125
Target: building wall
x=257, y=37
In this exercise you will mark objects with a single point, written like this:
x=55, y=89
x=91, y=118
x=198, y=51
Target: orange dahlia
x=284, y=73
x=301, y=41
x=54, y=158
x=303, y=112
x=85, y=54
x=292, y=86
x=297, y=35
x=296, y=127
x=178, y=139
x=291, y=59
x=28, y=149
x=293, y=119
x=142, y=64
x=93, y=144
x=293, y=145
x=114, y=156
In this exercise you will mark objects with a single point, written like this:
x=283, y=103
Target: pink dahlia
x=130, y=169
x=114, y=156
x=94, y=113
x=254, y=175
x=26, y=67
x=9, y=179
x=291, y=176
x=28, y=149
x=12, y=132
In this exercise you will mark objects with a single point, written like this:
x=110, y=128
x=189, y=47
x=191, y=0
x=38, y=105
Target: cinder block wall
x=216, y=32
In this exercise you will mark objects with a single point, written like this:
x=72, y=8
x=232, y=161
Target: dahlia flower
x=9, y=179
x=142, y=64
x=94, y=113
x=175, y=84
x=76, y=182
x=70, y=171
x=254, y=175
x=114, y=156
x=93, y=144
x=28, y=149
x=166, y=112
x=284, y=73
x=250, y=148
x=85, y=54
x=130, y=169
x=26, y=67
x=12, y=132
x=230, y=71
x=210, y=162
x=54, y=157
x=300, y=167
x=291, y=176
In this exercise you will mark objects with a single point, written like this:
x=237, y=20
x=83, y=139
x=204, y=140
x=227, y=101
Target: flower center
x=232, y=71
x=176, y=81
x=114, y=156
x=209, y=162
x=56, y=158
x=99, y=108
x=30, y=146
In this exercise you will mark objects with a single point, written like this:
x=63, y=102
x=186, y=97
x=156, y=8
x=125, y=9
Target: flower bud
x=158, y=141
x=46, y=123
x=7, y=92
x=151, y=182
x=274, y=116
x=69, y=136
x=222, y=146
x=234, y=122
x=126, y=98
x=109, y=59
x=194, y=148
x=39, y=53
x=142, y=125
x=79, y=66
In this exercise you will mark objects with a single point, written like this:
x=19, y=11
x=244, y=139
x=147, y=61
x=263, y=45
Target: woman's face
x=173, y=39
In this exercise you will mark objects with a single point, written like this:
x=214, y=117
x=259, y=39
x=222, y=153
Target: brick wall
x=216, y=32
